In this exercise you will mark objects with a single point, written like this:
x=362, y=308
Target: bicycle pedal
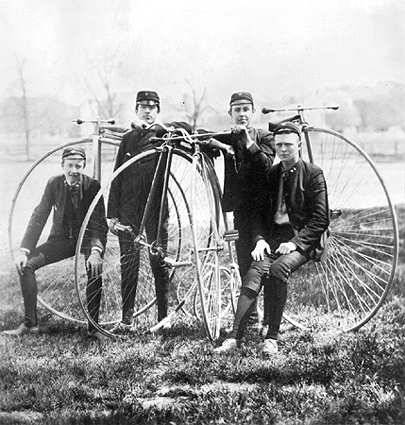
x=231, y=235
x=122, y=228
x=173, y=263
x=334, y=214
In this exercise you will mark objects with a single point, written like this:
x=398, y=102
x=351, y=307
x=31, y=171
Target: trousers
x=130, y=254
x=50, y=252
x=273, y=272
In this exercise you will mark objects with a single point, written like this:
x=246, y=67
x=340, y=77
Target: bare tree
x=22, y=84
x=195, y=105
x=105, y=96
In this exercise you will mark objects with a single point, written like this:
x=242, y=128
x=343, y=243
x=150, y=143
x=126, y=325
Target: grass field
x=61, y=377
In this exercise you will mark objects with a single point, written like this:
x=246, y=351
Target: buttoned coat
x=54, y=198
x=241, y=177
x=129, y=185
x=306, y=201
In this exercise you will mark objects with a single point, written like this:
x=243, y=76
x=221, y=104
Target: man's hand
x=244, y=135
x=139, y=125
x=111, y=226
x=229, y=151
x=260, y=250
x=286, y=248
x=20, y=262
x=94, y=263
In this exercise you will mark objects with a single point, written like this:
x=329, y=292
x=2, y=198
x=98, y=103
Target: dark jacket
x=126, y=186
x=306, y=201
x=241, y=176
x=54, y=198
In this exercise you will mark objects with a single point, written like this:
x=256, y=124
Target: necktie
x=281, y=216
x=75, y=195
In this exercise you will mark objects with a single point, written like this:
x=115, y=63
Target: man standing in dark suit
x=287, y=221
x=69, y=196
x=126, y=204
x=242, y=148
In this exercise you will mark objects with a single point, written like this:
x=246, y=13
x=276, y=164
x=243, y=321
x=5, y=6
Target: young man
x=69, y=195
x=242, y=148
x=287, y=224
x=127, y=200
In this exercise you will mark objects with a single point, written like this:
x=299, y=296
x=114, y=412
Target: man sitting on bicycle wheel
x=288, y=221
x=126, y=204
x=69, y=195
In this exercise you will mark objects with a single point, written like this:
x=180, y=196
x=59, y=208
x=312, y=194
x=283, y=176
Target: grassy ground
x=61, y=377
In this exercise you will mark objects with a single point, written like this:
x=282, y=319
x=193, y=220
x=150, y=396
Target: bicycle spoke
x=355, y=276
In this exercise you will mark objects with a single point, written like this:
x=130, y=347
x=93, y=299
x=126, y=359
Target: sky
x=268, y=47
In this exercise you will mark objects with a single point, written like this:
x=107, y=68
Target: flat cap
x=241, y=97
x=73, y=153
x=148, y=96
x=286, y=128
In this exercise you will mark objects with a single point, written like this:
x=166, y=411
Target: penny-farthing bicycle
x=56, y=287
x=345, y=290
x=190, y=237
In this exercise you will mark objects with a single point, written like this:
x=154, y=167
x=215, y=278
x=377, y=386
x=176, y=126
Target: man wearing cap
x=69, y=195
x=242, y=148
x=287, y=224
x=126, y=203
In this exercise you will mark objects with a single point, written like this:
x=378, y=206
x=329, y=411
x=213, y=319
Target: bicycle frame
x=165, y=159
x=302, y=122
x=96, y=142
x=164, y=164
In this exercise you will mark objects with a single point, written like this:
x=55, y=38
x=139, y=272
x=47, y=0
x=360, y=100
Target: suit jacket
x=54, y=198
x=122, y=200
x=241, y=177
x=306, y=201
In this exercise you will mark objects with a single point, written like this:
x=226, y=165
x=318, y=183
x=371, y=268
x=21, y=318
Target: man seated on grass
x=288, y=219
x=69, y=195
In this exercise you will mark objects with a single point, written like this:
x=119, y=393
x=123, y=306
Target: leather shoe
x=94, y=333
x=22, y=330
x=269, y=347
x=229, y=344
x=263, y=331
x=122, y=328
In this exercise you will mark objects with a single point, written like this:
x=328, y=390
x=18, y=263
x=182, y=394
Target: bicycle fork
x=159, y=246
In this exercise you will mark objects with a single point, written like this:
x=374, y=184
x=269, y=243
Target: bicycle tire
x=207, y=243
x=228, y=309
x=56, y=289
x=347, y=288
x=176, y=250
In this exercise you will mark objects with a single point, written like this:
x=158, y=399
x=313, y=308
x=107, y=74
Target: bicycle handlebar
x=298, y=108
x=97, y=121
x=189, y=137
x=273, y=125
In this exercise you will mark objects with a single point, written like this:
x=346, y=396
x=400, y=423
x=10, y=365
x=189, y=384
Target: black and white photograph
x=202, y=212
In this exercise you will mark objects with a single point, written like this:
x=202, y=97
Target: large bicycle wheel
x=176, y=248
x=346, y=289
x=208, y=245
x=56, y=287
